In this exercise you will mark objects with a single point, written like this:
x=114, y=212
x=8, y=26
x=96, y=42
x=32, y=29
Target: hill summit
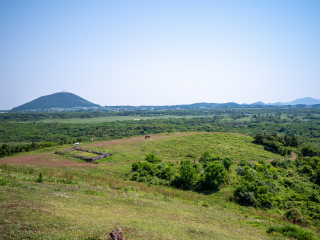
x=56, y=100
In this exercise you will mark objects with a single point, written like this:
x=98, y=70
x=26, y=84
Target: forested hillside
x=56, y=100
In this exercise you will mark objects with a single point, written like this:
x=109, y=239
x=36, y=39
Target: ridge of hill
x=307, y=101
x=56, y=100
x=303, y=101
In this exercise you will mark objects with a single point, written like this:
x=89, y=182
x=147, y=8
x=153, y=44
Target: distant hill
x=306, y=101
x=276, y=104
x=301, y=101
x=258, y=103
x=56, y=100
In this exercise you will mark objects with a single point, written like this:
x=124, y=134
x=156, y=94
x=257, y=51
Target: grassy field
x=174, y=147
x=82, y=210
x=79, y=200
x=178, y=146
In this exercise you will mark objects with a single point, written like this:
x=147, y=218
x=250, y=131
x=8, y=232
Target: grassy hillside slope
x=179, y=146
x=83, y=210
x=78, y=200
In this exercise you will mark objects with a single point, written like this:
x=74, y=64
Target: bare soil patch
x=43, y=159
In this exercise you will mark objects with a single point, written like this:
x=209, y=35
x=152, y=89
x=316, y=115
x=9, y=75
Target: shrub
x=135, y=176
x=249, y=174
x=227, y=162
x=293, y=231
x=309, y=151
x=135, y=166
x=4, y=182
x=197, y=167
x=142, y=179
x=315, y=197
x=317, y=176
x=239, y=170
x=47, y=144
x=167, y=173
x=188, y=176
x=214, y=175
x=244, y=162
x=282, y=163
x=294, y=214
x=245, y=192
x=208, y=157
x=191, y=155
x=40, y=178
x=152, y=158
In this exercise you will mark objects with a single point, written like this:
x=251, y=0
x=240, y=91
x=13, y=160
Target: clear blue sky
x=160, y=52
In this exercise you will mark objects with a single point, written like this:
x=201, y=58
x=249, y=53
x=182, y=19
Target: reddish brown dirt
x=44, y=159
x=293, y=156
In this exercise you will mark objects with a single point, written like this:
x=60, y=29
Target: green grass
x=61, y=211
x=177, y=148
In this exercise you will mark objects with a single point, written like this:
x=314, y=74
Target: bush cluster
x=310, y=166
x=279, y=144
x=257, y=186
x=209, y=174
x=293, y=232
x=284, y=184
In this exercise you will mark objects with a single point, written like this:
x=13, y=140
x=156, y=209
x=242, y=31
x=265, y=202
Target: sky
x=160, y=52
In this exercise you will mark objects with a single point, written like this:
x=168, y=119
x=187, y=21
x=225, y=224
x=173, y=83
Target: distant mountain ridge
x=64, y=101
x=307, y=101
x=56, y=100
x=303, y=101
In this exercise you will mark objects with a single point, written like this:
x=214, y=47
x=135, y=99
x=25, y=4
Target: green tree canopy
x=188, y=175
x=152, y=158
x=214, y=175
x=309, y=151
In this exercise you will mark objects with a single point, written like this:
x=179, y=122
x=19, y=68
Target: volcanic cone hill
x=56, y=100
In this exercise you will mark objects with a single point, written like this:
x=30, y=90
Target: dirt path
x=294, y=157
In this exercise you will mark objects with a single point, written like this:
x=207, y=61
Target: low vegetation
x=63, y=202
